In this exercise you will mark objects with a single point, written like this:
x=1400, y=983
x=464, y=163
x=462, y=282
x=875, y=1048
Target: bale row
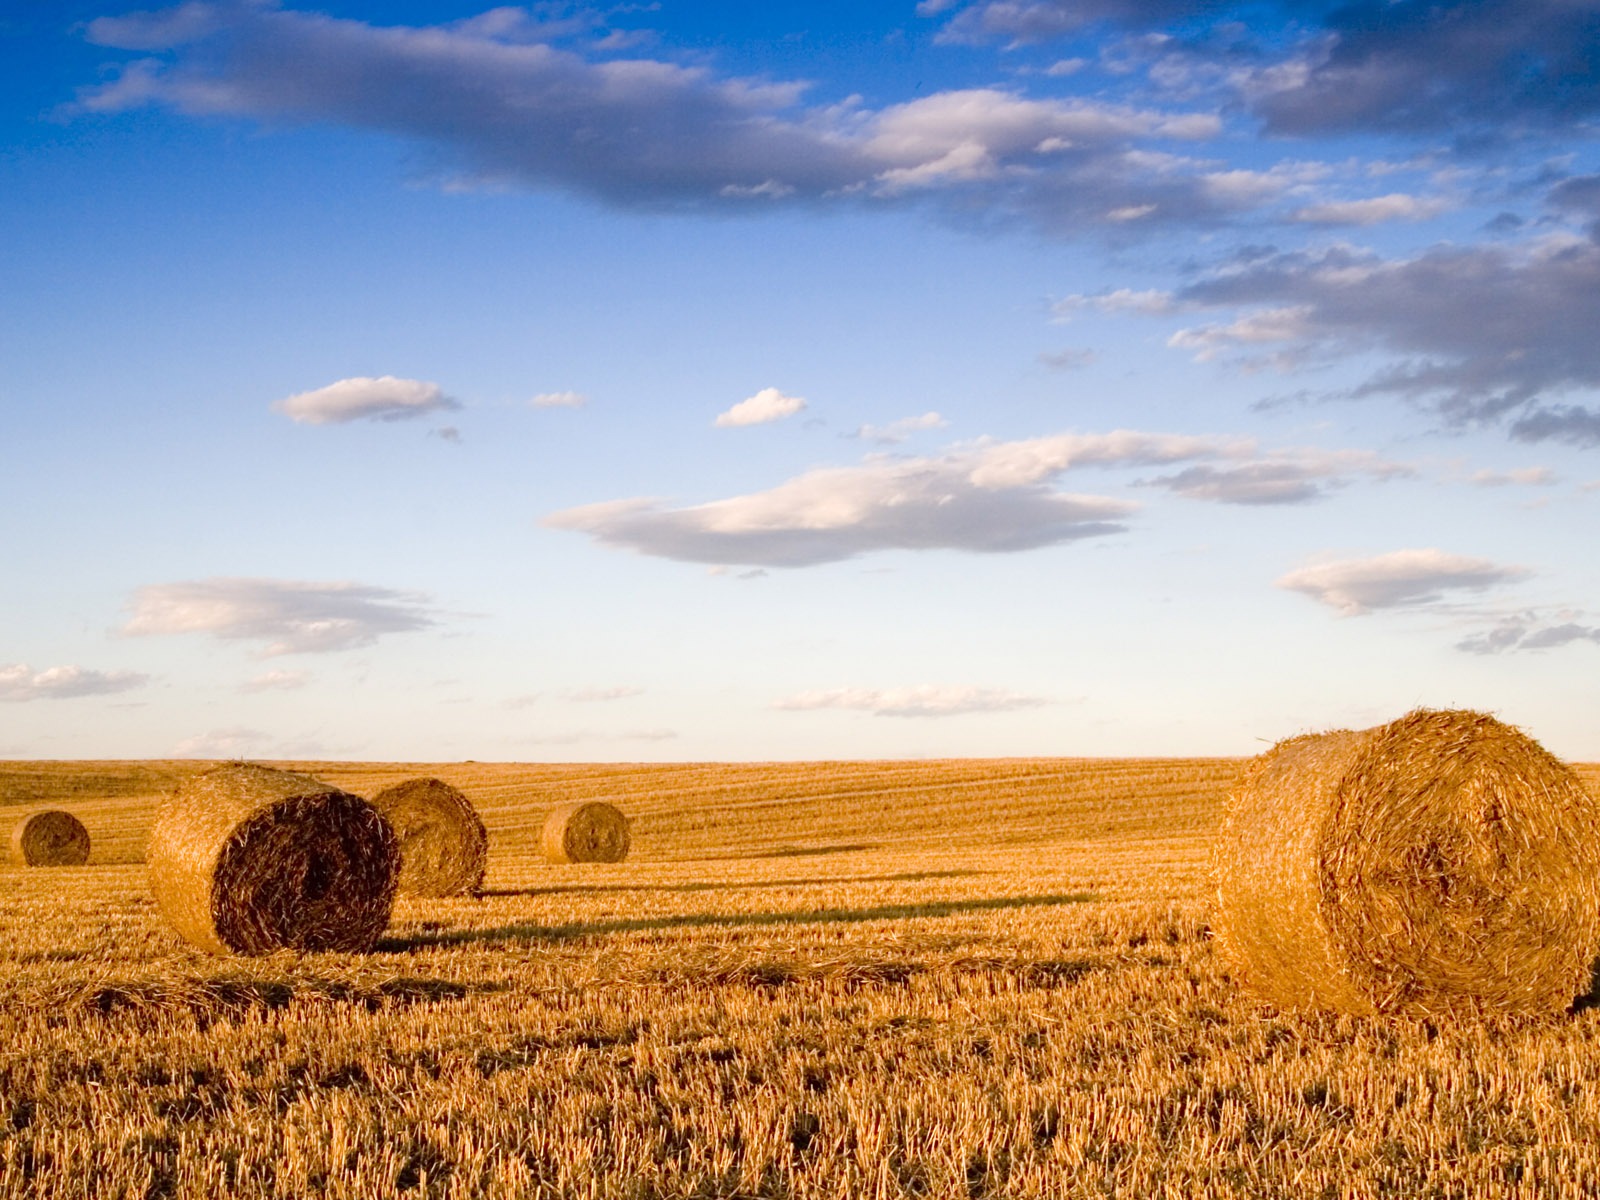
x=1442, y=863
x=246, y=859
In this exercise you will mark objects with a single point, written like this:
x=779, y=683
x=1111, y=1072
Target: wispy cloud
x=559, y=400
x=929, y=700
x=1520, y=477
x=1375, y=210
x=288, y=616
x=767, y=405
x=234, y=741
x=1399, y=579
x=574, y=737
x=365, y=399
x=1531, y=631
x=1285, y=477
x=276, y=681
x=896, y=432
x=20, y=682
x=600, y=695
x=1478, y=334
x=1405, y=66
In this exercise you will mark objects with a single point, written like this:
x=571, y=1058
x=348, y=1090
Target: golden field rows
x=940, y=979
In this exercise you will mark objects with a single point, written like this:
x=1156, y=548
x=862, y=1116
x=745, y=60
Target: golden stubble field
x=940, y=979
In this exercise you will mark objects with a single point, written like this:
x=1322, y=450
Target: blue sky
x=712, y=381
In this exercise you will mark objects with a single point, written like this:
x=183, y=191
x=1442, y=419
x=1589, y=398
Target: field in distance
x=945, y=978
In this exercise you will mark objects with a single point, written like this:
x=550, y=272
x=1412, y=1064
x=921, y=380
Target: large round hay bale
x=443, y=844
x=1444, y=863
x=247, y=860
x=586, y=832
x=48, y=837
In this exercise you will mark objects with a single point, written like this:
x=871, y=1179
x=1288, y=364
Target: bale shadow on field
x=813, y=851
x=530, y=931
x=225, y=998
x=1591, y=997
x=578, y=889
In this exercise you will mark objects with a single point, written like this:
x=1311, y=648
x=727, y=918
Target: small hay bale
x=1441, y=864
x=247, y=860
x=590, y=831
x=443, y=844
x=48, y=837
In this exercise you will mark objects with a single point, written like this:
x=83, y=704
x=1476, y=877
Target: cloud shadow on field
x=532, y=931
x=747, y=886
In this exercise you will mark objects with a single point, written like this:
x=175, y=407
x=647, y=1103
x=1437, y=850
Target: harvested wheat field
x=936, y=979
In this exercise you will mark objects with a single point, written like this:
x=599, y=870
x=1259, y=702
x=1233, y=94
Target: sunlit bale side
x=246, y=859
x=588, y=832
x=1441, y=863
x=48, y=838
x=444, y=847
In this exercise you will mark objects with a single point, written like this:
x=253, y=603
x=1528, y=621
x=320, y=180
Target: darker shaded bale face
x=314, y=873
x=444, y=847
x=590, y=832
x=50, y=838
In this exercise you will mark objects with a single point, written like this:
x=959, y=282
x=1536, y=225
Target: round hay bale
x=1443, y=863
x=48, y=837
x=247, y=860
x=443, y=844
x=590, y=831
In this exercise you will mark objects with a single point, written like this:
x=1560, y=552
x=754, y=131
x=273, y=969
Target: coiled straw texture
x=246, y=859
x=588, y=832
x=444, y=847
x=1443, y=863
x=49, y=838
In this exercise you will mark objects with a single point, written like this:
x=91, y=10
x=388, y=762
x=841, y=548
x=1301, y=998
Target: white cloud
x=363, y=398
x=276, y=681
x=502, y=103
x=1394, y=207
x=290, y=616
x=929, y=700
x=559, y=400
x=1268, y=325
x=898, y=431
x=769, y=404
x=987, y=497
x=1398, y=579
x=20, y=682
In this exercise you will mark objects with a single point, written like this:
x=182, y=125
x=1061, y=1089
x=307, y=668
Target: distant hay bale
x=247, y=860
x=590, y=831
x=48, y=837
x=443, y=844
x=1443, y=863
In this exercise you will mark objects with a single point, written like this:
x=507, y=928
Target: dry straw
x=49, y=838
x=443, y=844
x=590, y=831
x=246, y=859
x=1444, y=863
